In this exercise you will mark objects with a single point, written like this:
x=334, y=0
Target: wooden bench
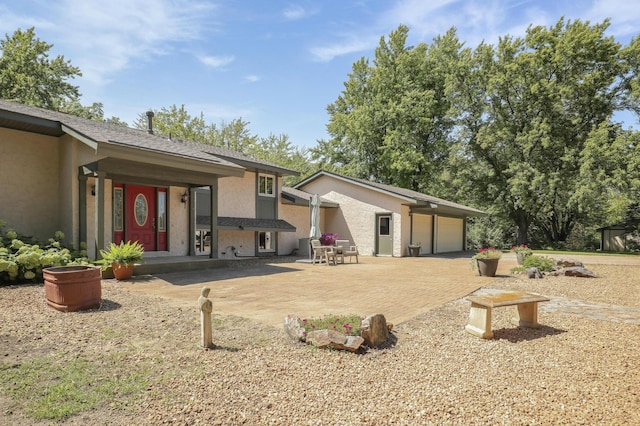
x=481, y=306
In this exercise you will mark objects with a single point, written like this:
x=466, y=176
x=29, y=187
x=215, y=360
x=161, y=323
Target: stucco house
x=383, y=220
x=99, y=182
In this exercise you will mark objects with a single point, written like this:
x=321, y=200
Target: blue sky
x=277, y=64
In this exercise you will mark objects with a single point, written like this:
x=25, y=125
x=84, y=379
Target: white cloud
x=294, y=12
x=349, y=44
x=624, y=15
x=105, y=37
x=252, y=78
x=216, y=61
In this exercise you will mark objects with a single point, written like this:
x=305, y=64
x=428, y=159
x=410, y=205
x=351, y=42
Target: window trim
x=266, y=177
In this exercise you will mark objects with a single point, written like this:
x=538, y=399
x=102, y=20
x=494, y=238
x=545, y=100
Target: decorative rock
x=334, y=339
x=564, y=263
x=353, y=343
x=294, y=329
x=533, y=273
x=374, y=330
x=576, y=271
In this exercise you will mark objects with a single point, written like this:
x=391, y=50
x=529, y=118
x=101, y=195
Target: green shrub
x=543, y=263
x=22, y=259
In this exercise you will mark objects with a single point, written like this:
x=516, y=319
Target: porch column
x=434, y=236
x=464, y=233
x=213, y=189
x=82, y=209
x=192, y=222
x=99, y=219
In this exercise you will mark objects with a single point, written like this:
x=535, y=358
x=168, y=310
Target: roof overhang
x=27, y=123
x=259, y=167
x=125, y=170
x=303, y=200
x=353, y=182
x=246, y=224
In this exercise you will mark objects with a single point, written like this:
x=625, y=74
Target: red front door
x=141, y=215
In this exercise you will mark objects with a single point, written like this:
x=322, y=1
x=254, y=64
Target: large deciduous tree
x=29, y=76
x=391, y=122
x=530, y=110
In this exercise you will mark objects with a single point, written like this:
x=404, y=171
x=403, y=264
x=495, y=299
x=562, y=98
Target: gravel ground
x=574, y=369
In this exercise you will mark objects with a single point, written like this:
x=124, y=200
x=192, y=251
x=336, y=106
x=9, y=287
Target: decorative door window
x=141, y=209
x=118, y=210
x=162, y=214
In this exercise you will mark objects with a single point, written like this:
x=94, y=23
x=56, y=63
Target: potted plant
x=486, y=260
x=414, y=249
x=121, y=258
x=521, y=251
x=328, y=239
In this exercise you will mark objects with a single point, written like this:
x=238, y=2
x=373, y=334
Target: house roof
x=412, y=198
x=297, y=196
x=109, y=138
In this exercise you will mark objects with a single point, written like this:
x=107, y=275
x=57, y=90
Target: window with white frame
x=266, y=185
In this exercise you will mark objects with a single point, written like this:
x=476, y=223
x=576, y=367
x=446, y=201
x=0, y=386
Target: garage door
x=450, y=232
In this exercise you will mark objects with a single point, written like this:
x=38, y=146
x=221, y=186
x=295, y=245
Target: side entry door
x=384, y=235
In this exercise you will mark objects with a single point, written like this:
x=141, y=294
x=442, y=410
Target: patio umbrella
x=314, y=205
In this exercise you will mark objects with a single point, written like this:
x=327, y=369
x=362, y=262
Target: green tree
x=528, y=109
x=29, y=76
x=278, y=149
x=391, y=122
x=177, y=123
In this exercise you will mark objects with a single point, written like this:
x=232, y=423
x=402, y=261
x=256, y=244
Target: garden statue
x=206, y=306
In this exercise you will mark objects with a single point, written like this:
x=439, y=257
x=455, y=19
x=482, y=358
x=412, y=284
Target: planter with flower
x=414, y=249
x=486, y=260
x=121, y=258
x=328, y=239
x=522, y=252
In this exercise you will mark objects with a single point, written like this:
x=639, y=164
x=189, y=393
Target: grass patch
x=51, y=390
x=345, y=324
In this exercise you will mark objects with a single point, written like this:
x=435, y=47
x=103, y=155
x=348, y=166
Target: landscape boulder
x=566, y=263
x=576, y=271
x=534, y=273
x=374, y=330
x=334, y=339
x=294, y=329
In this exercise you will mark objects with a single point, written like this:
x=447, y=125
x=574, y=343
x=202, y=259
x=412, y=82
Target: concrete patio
x=399, y=288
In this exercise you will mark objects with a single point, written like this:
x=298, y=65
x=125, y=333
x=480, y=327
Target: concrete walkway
x=399, y=288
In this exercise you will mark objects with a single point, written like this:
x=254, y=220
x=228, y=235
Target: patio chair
x=347, y=250
x=320, y=252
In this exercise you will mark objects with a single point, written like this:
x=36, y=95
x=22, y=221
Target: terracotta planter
x=414, y=251
x=122, y=272
x=487, y=267
x=72, y=288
